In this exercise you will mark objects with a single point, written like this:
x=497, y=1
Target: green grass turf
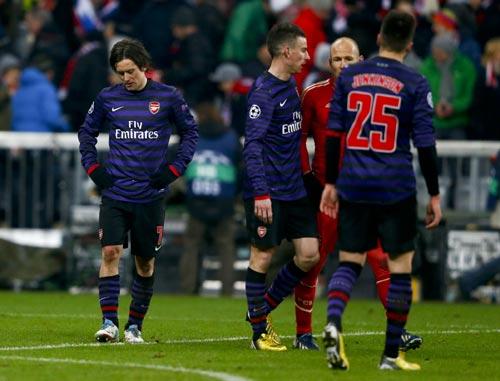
x=461, y=341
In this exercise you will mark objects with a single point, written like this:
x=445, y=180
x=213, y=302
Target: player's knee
x=308, y=260
x=145, y=269
x=111, y=253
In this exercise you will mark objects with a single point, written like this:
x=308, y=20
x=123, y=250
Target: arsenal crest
x=154, y=107
x=261, y=231
x=100, y=234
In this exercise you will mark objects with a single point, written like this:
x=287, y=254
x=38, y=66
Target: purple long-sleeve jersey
x=140, y=125
x=380, y=104
x=272, y=140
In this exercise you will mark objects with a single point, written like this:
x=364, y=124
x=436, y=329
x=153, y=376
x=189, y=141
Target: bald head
x=344, y=51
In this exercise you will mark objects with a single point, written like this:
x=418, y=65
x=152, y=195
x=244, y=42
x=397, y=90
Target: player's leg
x=339, y=293
x=299, y=221
x=263, y=242
x=305, y=291
x=112, y=233
x=146, y=238
x=397, y=231
x=378, y=261
x=356, y=236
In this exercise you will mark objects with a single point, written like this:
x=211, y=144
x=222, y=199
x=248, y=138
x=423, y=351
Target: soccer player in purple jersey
x=380, y=104
x=276, y=204
x=141, y=114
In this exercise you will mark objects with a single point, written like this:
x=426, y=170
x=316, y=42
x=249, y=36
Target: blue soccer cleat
x=306, y=342
x=409, y=341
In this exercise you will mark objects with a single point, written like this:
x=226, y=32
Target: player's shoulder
x=163, y=90
x=263, y=86
x=110, y=91
x=311, y=90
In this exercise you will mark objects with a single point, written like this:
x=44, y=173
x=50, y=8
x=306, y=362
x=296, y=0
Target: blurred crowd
x=53, y=53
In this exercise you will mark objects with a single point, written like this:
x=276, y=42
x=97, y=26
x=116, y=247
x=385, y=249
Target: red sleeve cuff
x=262, y=197
x=174, y=170
x=92, y=168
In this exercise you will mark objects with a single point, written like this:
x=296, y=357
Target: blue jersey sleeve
x=188, y=132
x=259, y=114
x=88, y=132
x=423, y=131
x=336, y=116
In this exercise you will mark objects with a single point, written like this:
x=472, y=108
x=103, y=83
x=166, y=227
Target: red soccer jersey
x=315, y=109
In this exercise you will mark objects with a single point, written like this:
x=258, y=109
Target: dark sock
x=288, y=277
x=255, y=289
x=142, y=291
x=109, y=292
x=398, y=307
x=339, y=290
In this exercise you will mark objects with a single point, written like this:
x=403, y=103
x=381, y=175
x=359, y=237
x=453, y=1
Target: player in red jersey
x=315, y=109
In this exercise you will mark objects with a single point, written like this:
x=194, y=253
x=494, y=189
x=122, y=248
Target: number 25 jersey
x=380, y=104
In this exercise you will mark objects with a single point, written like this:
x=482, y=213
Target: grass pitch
x=49, y=336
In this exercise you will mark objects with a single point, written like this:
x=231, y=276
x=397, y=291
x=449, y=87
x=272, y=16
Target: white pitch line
x=226, y=339
x=96, y=316
x=208, y=373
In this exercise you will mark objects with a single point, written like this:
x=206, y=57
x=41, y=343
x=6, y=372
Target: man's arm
x=87, y=136
x=427, y=157
x=188, y=132
x=329, y=199
x=424, y=139
x=259, y=114
x=336, y=126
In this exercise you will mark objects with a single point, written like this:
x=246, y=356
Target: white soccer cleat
x=133, y=335
x=108, y=333
x=335, y=349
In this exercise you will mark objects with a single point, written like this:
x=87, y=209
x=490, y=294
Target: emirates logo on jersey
x=154, y=107
x=261, y=231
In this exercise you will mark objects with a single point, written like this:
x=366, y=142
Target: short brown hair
x=131, y=49
x=397, y=30
x=280, y=34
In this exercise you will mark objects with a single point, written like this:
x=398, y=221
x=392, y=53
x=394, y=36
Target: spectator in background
x=486, y=106
x=193, y=60
x=86, y=74
x=35, y=106
x=212, y=183
x=446, y=21
x=490, y=27
x=451, y=76
x=232, y=103
x=152, y=26
x=363, y=24
x=45, y=38
x=311, y=19
x=211, y=22
x=423, y=34
x=260, y=63
x=246, y=31
x=10, y=72
x=471, y=280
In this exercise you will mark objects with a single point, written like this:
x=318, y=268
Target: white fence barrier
x=41, y=177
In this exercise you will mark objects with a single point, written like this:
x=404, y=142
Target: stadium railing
x=41, y=179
